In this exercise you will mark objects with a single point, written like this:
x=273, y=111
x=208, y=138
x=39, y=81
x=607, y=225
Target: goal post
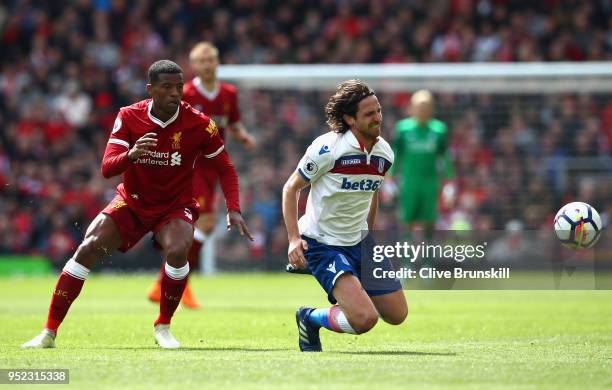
x=446, y=77
x=522, y=132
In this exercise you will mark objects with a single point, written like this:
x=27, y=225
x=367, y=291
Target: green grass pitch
x=245, y=337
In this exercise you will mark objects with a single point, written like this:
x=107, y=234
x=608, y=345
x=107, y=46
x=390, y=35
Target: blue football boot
x=308, y=335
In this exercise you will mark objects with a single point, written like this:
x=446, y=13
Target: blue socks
x=320, y=317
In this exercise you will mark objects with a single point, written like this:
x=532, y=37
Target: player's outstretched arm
x=234, y=218
x=229, y=184
x=240, y=134
x=291, y=193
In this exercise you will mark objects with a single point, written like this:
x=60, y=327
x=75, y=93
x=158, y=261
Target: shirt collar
x=159, y=122
x=210, y=95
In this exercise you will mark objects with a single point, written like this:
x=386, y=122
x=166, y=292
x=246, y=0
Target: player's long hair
x=345, y=102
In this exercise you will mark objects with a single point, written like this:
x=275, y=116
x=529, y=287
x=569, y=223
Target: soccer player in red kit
x=219, y=101
x=154, y=144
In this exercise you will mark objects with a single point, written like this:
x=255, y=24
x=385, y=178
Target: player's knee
x=364, y=321
x=398, y=316
x=208, y=226
x=89, y=251
x=206, y=223
x=176, y=253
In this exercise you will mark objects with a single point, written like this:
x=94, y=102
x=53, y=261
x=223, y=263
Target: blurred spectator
x=67, y=67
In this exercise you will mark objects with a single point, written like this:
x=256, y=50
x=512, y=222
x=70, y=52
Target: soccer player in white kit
x=345, y=169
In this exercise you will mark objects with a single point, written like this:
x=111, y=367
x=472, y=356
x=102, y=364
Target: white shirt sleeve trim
x=215, y=153
x=118, y=142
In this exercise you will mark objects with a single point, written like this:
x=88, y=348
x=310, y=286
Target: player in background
x=420, y=145
x=154, y=144
x=344, y=168
x=219, y=101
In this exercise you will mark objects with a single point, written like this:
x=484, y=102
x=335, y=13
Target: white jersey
x=343, y=178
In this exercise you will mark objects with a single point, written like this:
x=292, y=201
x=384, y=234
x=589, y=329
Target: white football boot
x=164, y=338
x=46, y=339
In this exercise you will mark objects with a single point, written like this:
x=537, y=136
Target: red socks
x=66, y=291
x=193, y=257
x=173, y=284
x=73, y=277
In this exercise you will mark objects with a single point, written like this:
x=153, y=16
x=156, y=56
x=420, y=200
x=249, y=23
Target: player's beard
x=375, y=133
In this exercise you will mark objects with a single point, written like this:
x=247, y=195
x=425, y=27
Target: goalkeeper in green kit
x=423, y=163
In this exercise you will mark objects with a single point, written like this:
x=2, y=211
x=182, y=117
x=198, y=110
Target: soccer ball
x=578, y=225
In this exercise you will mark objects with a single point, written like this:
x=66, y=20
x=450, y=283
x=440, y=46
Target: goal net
x=525, y=139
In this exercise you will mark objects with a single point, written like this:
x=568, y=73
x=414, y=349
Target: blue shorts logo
x=363, y=185
x=332, y=267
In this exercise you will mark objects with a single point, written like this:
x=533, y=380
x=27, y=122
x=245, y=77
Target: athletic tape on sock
x=199, y=235
x=177, y=273
x=340, y=319
x=75, y=269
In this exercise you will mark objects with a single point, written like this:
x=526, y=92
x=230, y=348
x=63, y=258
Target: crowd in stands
x=67, y=66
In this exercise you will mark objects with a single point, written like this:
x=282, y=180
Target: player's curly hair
x=162, y=66
x=345, y=102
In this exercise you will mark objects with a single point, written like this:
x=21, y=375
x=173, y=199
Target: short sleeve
x=120, y=133
x=212, y=144
x=316, y=161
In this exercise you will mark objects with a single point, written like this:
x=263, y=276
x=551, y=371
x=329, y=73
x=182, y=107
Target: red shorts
x=132, y=226
x=204, y=188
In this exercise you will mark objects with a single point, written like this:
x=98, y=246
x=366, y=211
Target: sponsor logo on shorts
x=343, y=258
x=332, y=267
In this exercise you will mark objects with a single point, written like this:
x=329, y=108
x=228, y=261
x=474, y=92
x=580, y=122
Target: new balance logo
x=175, y=159
x=363, y=185
x=332, y=267
x=188, y=214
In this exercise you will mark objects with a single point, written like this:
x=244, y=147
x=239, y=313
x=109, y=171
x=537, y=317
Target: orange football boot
x=188, y=300
x=154, y=294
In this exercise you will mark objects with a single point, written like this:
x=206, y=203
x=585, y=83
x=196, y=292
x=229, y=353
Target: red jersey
x=162, y=179
x=221, y=104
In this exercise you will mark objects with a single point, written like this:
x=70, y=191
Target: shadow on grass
x=408, y=353
x=242, y=349
x=203, y=349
